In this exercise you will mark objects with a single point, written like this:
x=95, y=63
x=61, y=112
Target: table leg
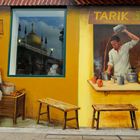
x=15, y=112
x=14, y=120
x=39, y=111
x=93, y=120
x=65, y=119
x=48, y=113
x=23, y=109
x=77, y=122
x=135, y=120
x=131, y=116
x=98, y=117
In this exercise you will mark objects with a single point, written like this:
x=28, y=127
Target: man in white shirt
x=119, y=54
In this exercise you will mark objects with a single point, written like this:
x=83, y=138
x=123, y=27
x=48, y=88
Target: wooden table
x=65, y=107
x=13, y=106
x=97, y=108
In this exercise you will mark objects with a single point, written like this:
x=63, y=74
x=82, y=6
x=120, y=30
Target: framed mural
x=1, y=26
x=103, y=46
x=38, y=42
x=116, y=40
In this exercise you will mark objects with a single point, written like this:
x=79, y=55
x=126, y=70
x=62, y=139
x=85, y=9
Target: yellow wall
x=64, y=89
x=87, y=95
x=85, y=98
x=74, y=88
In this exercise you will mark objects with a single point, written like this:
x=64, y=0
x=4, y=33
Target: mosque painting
x=40, y=45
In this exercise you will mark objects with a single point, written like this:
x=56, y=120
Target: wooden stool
x=114, y=107
x=65, y=107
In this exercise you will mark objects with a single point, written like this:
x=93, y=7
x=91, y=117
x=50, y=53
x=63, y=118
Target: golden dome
x=33, y=39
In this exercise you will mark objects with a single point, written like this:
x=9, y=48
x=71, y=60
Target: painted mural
x=116, y=44
x=102, y=47
x=40, y=41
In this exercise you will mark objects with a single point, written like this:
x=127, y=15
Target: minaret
x=19, y=28
x=32, y=28
x=46, y=41
x=19, y=32
x=42, y=39
x=25, y=31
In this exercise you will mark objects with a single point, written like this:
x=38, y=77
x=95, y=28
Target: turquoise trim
x=9, y=53
x=41, y=76
x=63, y=50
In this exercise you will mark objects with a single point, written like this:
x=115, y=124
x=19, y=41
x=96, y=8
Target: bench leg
x=98, y=117
x=77, y=122
x=23, y=109
x=39, y=111
x=93, y=119
x=48, y=113
x=65, y=120
x=135, y=120
x=14, y=119
x=131, y=116
x=15, y=113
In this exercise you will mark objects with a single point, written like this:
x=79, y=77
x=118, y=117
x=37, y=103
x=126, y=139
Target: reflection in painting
x=40, y=46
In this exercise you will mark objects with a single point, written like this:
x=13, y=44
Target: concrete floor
x=29, y=130
x=57, y=134
x=40, y=136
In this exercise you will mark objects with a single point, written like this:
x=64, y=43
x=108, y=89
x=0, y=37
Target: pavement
x=29, y=130
x=8, y=133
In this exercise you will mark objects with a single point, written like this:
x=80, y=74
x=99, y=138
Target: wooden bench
x=65, y=107
x=97, y=108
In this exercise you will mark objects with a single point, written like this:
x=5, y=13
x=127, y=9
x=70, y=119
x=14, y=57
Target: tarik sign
x=117, y=15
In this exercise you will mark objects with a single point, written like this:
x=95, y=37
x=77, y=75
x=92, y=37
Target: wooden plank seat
x=65, y=107
x=97, y=108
